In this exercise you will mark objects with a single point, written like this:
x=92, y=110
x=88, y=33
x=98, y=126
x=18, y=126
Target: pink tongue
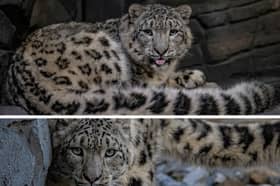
x=160, y=61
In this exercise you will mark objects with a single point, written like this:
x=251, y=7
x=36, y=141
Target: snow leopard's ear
x=135, y=10
x=185, y=11
x=60, y=128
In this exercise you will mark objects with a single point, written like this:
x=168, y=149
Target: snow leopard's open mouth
x=160, y=61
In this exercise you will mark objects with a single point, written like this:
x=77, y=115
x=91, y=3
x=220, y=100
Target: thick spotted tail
x=228, y=144
x=244, y=98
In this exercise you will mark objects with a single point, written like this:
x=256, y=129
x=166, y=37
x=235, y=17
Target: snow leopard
x=123, y=66
x=114, y=152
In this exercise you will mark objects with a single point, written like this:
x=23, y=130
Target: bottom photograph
x=139, y=152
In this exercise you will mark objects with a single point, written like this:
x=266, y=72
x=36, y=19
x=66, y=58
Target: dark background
x=234, y=39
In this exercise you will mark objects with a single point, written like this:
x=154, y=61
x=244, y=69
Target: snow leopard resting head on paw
x=156, y=35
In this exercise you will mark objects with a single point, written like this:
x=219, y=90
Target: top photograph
x=140, y=57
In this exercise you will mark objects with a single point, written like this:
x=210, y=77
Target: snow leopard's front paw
x=190, y=79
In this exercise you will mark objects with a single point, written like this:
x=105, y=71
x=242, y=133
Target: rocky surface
x=25, y=153
x=170, y=173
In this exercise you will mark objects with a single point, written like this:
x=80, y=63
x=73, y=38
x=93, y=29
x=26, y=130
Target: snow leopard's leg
x=188, y=79
x=222, y=144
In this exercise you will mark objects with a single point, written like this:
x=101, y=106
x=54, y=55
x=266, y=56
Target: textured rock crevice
x=25, y=152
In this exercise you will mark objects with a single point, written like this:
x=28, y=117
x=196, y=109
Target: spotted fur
x=115, y=68
x=124, y=152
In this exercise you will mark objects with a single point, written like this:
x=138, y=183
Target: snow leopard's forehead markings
x=158, y=18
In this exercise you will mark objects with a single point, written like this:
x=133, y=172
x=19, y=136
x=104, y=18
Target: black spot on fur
x=245, y=137
x=83, y=85
x=60, y=47
x=85, y=69
x=116, y=55
x=68, y=109
x=232, y=107
x=93, y=108
x=106, y=69
x=149, y=149
x=163, y=124
x=40, y=62
x=204, y=129
x=247, y=104
x=37, y=44
x=188, y=147
x=268, y=132
x=182, y=104
x=62, y=80
x=151, y=173
x=226, y=135
x=193, y=124
x=131, y=101
x=104, y=41
x=254, y=156
x=178, y=133
x=93, y=54
x=82, y=41
x=205, y=149
x=118, y=68
x=142, y=158
x=159, y=102
x=258, y=102
x=47, y=74
x=62, y=63
x=135, y=182
x=208, y=105
x=107, y=54
x=76, y=55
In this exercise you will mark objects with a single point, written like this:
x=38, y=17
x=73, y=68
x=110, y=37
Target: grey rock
x=197, y=177
x=5, y=57
x=11, y=110
x=241, y=2
x=25, y=152
x=11, y=2
x=7, y=30
x=46, y=12
x=213, y=19
x=164, y=180
x=268, y=29
x=249, y=11
x=219, y=178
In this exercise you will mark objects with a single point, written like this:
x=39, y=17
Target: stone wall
x=25, y=152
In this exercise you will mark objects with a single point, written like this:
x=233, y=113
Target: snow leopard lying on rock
x=124, y=152
x=122, y=66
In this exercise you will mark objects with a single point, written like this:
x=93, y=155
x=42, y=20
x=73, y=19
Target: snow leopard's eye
x=110, y=153
x=173, y=32
x=148, y=32
x=77, y=151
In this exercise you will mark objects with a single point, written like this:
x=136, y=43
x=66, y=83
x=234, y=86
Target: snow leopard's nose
x=161, y=51
x=93, y=169
x=91, y=178
x=160, y=44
